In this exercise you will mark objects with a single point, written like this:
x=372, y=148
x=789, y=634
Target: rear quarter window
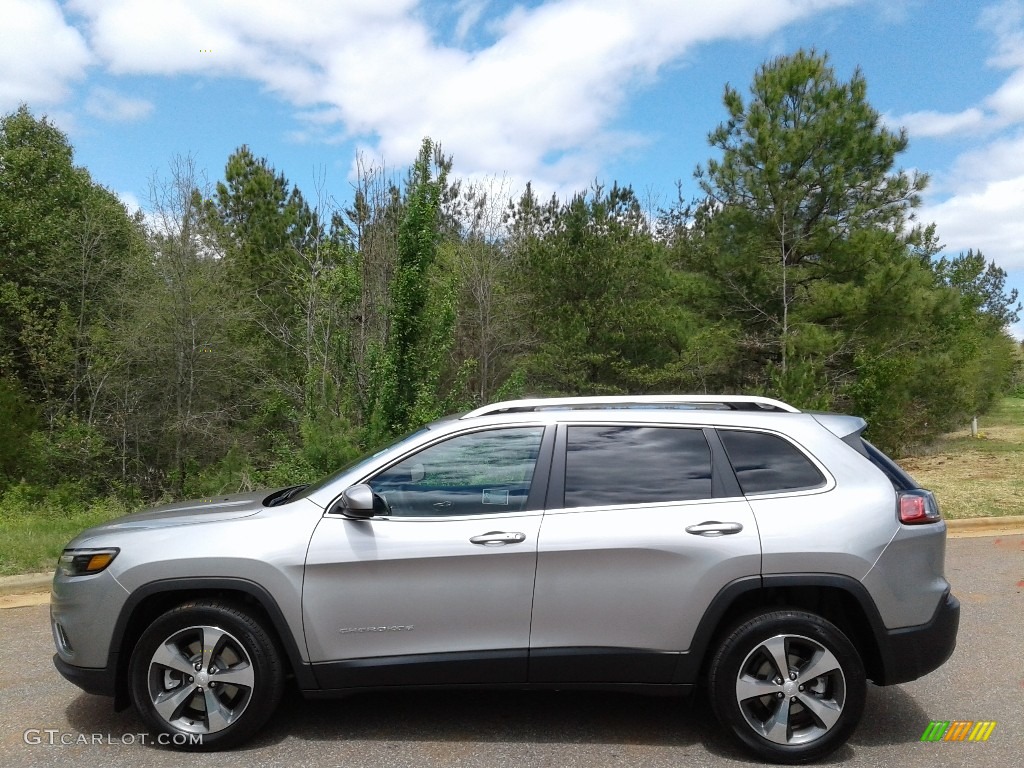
x=766, y=463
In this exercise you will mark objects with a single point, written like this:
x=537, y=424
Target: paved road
x=983, y=681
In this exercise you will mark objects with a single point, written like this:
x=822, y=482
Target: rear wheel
x=789, y=684
x=205, y=675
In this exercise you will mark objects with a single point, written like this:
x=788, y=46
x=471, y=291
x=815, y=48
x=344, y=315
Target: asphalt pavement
x=45, y=721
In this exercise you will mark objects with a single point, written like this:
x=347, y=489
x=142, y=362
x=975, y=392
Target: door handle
x=498, y=538
x=714, y=528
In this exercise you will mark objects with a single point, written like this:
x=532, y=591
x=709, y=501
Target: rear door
x=643, y=528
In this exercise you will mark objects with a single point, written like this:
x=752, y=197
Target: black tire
x=805, y=716
x=205, y=676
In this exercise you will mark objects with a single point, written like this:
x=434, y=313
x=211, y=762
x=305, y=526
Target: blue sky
x=562, y=93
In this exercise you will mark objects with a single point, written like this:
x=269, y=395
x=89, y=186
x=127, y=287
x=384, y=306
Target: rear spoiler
x=846, y=428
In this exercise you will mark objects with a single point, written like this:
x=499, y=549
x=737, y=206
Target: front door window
x=480, y=473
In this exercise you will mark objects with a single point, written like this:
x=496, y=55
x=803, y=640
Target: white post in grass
x=974, y=427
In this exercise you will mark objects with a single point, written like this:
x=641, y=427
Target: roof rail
x=724, y=402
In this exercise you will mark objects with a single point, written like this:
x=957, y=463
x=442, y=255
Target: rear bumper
x=912, y=652
x=97, y=681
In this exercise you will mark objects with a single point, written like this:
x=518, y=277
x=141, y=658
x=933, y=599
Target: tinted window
x=474, y=474
x=635, y=465
x=765, y=463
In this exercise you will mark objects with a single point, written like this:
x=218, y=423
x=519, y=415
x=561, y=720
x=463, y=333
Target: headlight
x=85, y=562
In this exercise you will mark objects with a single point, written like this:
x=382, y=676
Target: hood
x=208, y=510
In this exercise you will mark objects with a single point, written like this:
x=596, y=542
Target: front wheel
x=205, y=675
x=789, y=684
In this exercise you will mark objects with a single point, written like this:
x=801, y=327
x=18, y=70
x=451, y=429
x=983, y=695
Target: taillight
x=917, y=507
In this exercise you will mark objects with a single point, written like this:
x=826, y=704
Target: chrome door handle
x=498, y=538
x=714, y=528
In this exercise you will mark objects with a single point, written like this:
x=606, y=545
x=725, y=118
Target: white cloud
x=546, y=88
x=228, y=36
x=40, y=54
x=929, y=123
x=1004, y=107
x=130, y=202
x=894, y=11
x=1006, y=22
x=110, y=105
x=536, y=102
x=989, y=219
x=986, y=209
x=979, y=202
x=1008, y=101
x=470, y=12
x=1000, y=159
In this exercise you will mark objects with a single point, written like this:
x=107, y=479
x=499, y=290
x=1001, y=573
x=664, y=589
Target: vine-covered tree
x=406, y=384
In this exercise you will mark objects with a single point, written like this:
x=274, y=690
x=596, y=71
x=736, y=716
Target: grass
x=977, y=477
x=33, y=539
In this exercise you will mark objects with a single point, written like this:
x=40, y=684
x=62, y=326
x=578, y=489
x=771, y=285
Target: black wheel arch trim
x=688, y=668
x=119, y=655
x=899, y=657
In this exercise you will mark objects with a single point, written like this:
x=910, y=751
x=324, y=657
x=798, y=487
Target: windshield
x=366, y=458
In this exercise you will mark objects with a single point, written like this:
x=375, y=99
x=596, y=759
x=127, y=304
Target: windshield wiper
x=287, y=494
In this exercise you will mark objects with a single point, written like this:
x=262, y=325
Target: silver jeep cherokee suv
x=635, y=543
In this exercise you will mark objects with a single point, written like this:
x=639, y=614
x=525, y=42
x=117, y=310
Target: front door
x=438, y=587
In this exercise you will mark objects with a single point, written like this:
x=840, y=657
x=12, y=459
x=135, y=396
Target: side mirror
x=357, y=501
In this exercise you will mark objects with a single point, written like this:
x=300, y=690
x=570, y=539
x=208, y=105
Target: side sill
x=427, y=669
x=643, y=689
x=560, y=666
x=554, y=667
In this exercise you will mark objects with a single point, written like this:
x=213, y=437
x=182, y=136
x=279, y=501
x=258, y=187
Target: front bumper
x=97, y=681
x=912, y=652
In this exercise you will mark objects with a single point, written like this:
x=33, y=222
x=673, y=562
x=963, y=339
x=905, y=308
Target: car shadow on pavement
x=539, y=717
x=493, y=716
x=891, y=716
x=95, y=714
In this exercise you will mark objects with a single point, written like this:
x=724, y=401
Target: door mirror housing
x=357, y=501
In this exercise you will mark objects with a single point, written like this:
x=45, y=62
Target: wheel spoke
x=218, y=717
x=170, y=656
x=776, y=727
x=776, y=650
x=825, y=712
x=751, y=688
x=170, y=703
x=212, y=639
x=822, y=663
x=240, y=674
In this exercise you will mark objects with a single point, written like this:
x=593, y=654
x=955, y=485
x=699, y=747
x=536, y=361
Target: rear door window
x=766, y=463
x=609, y=465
